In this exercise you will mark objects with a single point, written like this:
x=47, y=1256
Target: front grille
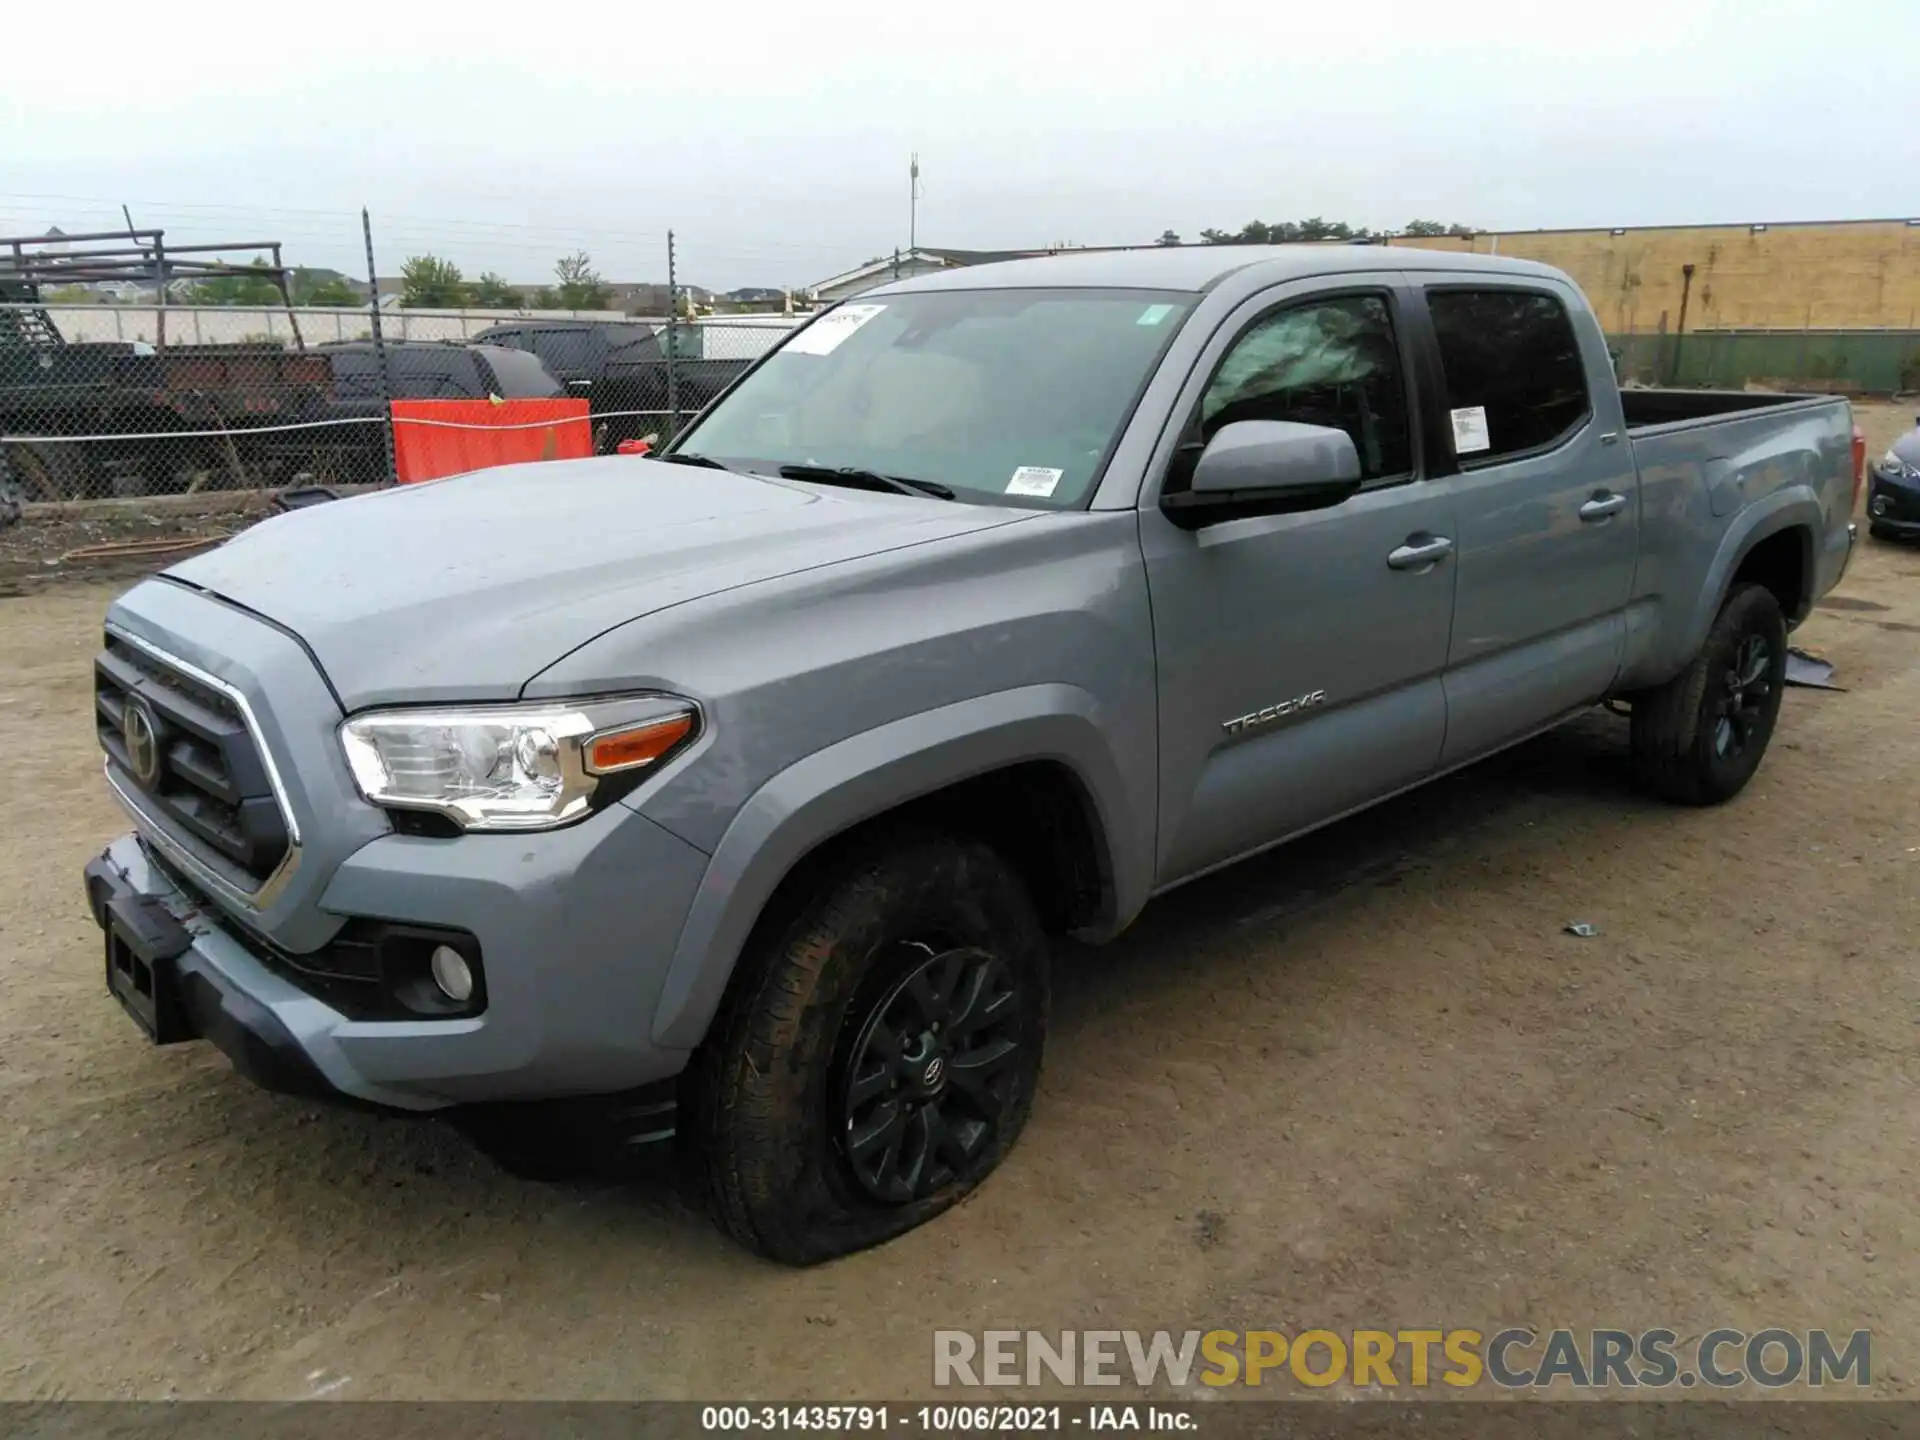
x=190, y=755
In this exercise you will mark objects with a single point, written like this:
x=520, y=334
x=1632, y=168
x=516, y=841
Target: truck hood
x=466, y=588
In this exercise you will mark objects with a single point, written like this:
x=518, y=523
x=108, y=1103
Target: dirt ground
x=1362, y=1081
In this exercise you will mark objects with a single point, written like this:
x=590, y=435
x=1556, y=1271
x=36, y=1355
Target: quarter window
x=1330, y=362
x=1515, y=378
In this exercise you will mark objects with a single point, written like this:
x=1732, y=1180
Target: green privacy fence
x=1850, y=362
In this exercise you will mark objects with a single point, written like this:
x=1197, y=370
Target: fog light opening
x=451, y=973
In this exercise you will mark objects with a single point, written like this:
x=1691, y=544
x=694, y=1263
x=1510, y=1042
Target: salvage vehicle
x=1893, y=490
x=413, y=370
x=620, y=368
x=101, y=417
x=734, y=796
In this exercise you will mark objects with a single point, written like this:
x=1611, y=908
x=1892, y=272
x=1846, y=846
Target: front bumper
x=182, y=992
x=573, y=963
x=1892, y=507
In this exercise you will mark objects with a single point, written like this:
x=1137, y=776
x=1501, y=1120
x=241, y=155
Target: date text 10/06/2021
x=940, y=1419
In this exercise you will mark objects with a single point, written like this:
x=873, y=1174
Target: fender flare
x=865, y=775
x=1787, y=508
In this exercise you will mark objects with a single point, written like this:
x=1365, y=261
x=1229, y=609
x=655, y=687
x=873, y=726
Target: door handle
x=1603, y=505
x=1420, y=553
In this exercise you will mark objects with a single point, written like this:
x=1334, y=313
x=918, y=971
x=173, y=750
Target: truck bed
x=1647, y=409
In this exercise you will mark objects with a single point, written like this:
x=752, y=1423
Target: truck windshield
x=1005, y=396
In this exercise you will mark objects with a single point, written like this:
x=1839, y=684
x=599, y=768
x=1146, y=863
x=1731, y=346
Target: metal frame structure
x=28, y=260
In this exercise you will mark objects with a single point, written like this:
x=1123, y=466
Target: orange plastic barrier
x=462, y=435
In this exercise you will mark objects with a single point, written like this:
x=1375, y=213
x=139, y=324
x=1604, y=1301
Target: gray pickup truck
x=735, y=794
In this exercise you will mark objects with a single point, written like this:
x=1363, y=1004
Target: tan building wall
x=1847, y=274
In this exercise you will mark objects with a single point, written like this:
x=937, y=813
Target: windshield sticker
x=1470, y=430
x=1154, y=314
x=1034, y=480
x=830, y=331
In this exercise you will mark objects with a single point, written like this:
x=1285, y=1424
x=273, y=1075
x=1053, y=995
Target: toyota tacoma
x=734, y=795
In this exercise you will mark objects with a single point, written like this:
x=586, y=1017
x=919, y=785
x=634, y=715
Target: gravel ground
x=1362, y=1081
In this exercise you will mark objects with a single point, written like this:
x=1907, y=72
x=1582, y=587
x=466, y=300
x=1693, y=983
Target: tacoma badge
x=1274, y=712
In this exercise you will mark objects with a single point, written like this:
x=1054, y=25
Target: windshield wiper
x=856, y=478
x=687, y=457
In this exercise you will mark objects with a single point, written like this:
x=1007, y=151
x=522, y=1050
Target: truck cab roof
x=1198, y=268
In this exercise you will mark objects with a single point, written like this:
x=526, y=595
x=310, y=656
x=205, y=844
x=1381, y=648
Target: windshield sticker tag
x=1154, y=314
x=1034, y=480
x=831, y=331
x=1470, y=430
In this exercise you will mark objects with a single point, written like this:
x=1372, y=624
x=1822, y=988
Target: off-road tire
x=1676, y=731
x=762, y=1117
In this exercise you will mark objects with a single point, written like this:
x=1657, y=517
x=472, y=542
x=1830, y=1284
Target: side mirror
x=1266, y=467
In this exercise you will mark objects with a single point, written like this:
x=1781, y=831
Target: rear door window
x=1515, y=379
x=564, y=350
x=520, y=376
x=432, y=373
x=356, y=374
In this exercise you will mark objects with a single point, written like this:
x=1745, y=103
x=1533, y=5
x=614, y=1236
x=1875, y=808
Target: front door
x=1300, y=656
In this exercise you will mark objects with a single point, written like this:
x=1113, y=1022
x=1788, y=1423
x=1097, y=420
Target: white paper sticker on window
x=830, y=331
x=1154, y=314
x=1034, y=480
x=1470, y=430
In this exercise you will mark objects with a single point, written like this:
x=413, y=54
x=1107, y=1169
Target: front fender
x=868, y=774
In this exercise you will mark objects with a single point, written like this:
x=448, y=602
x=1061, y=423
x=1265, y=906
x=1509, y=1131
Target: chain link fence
x=103, y=401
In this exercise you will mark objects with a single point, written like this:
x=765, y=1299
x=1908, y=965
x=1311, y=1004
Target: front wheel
x=1699, y=737
x=878, y=1052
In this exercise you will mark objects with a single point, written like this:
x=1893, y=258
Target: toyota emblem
x=142, y=735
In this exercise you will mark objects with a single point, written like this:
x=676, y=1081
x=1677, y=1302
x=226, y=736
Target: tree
x=541, y=297
x=581, y=287
x=328, y=289
x=1286, y=232
x=253, y=285
x=332, y=291
x=492, y=292
x=1168, y=237
x=430, y=283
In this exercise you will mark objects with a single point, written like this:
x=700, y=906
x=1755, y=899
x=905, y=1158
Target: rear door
x=1299, y=656
x=1546, y=505
x=571, y=353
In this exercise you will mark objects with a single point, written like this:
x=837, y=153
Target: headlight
x=1892, y=464
x=514, y=767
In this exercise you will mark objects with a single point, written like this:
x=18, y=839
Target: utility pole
x=913, y=203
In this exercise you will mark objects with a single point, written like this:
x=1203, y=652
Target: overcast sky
x=773, y=138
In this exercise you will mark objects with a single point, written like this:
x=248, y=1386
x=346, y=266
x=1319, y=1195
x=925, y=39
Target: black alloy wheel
x=929, y=1073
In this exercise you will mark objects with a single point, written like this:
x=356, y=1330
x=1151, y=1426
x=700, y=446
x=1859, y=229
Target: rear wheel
x=878, y=1053
x=1699, y=738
